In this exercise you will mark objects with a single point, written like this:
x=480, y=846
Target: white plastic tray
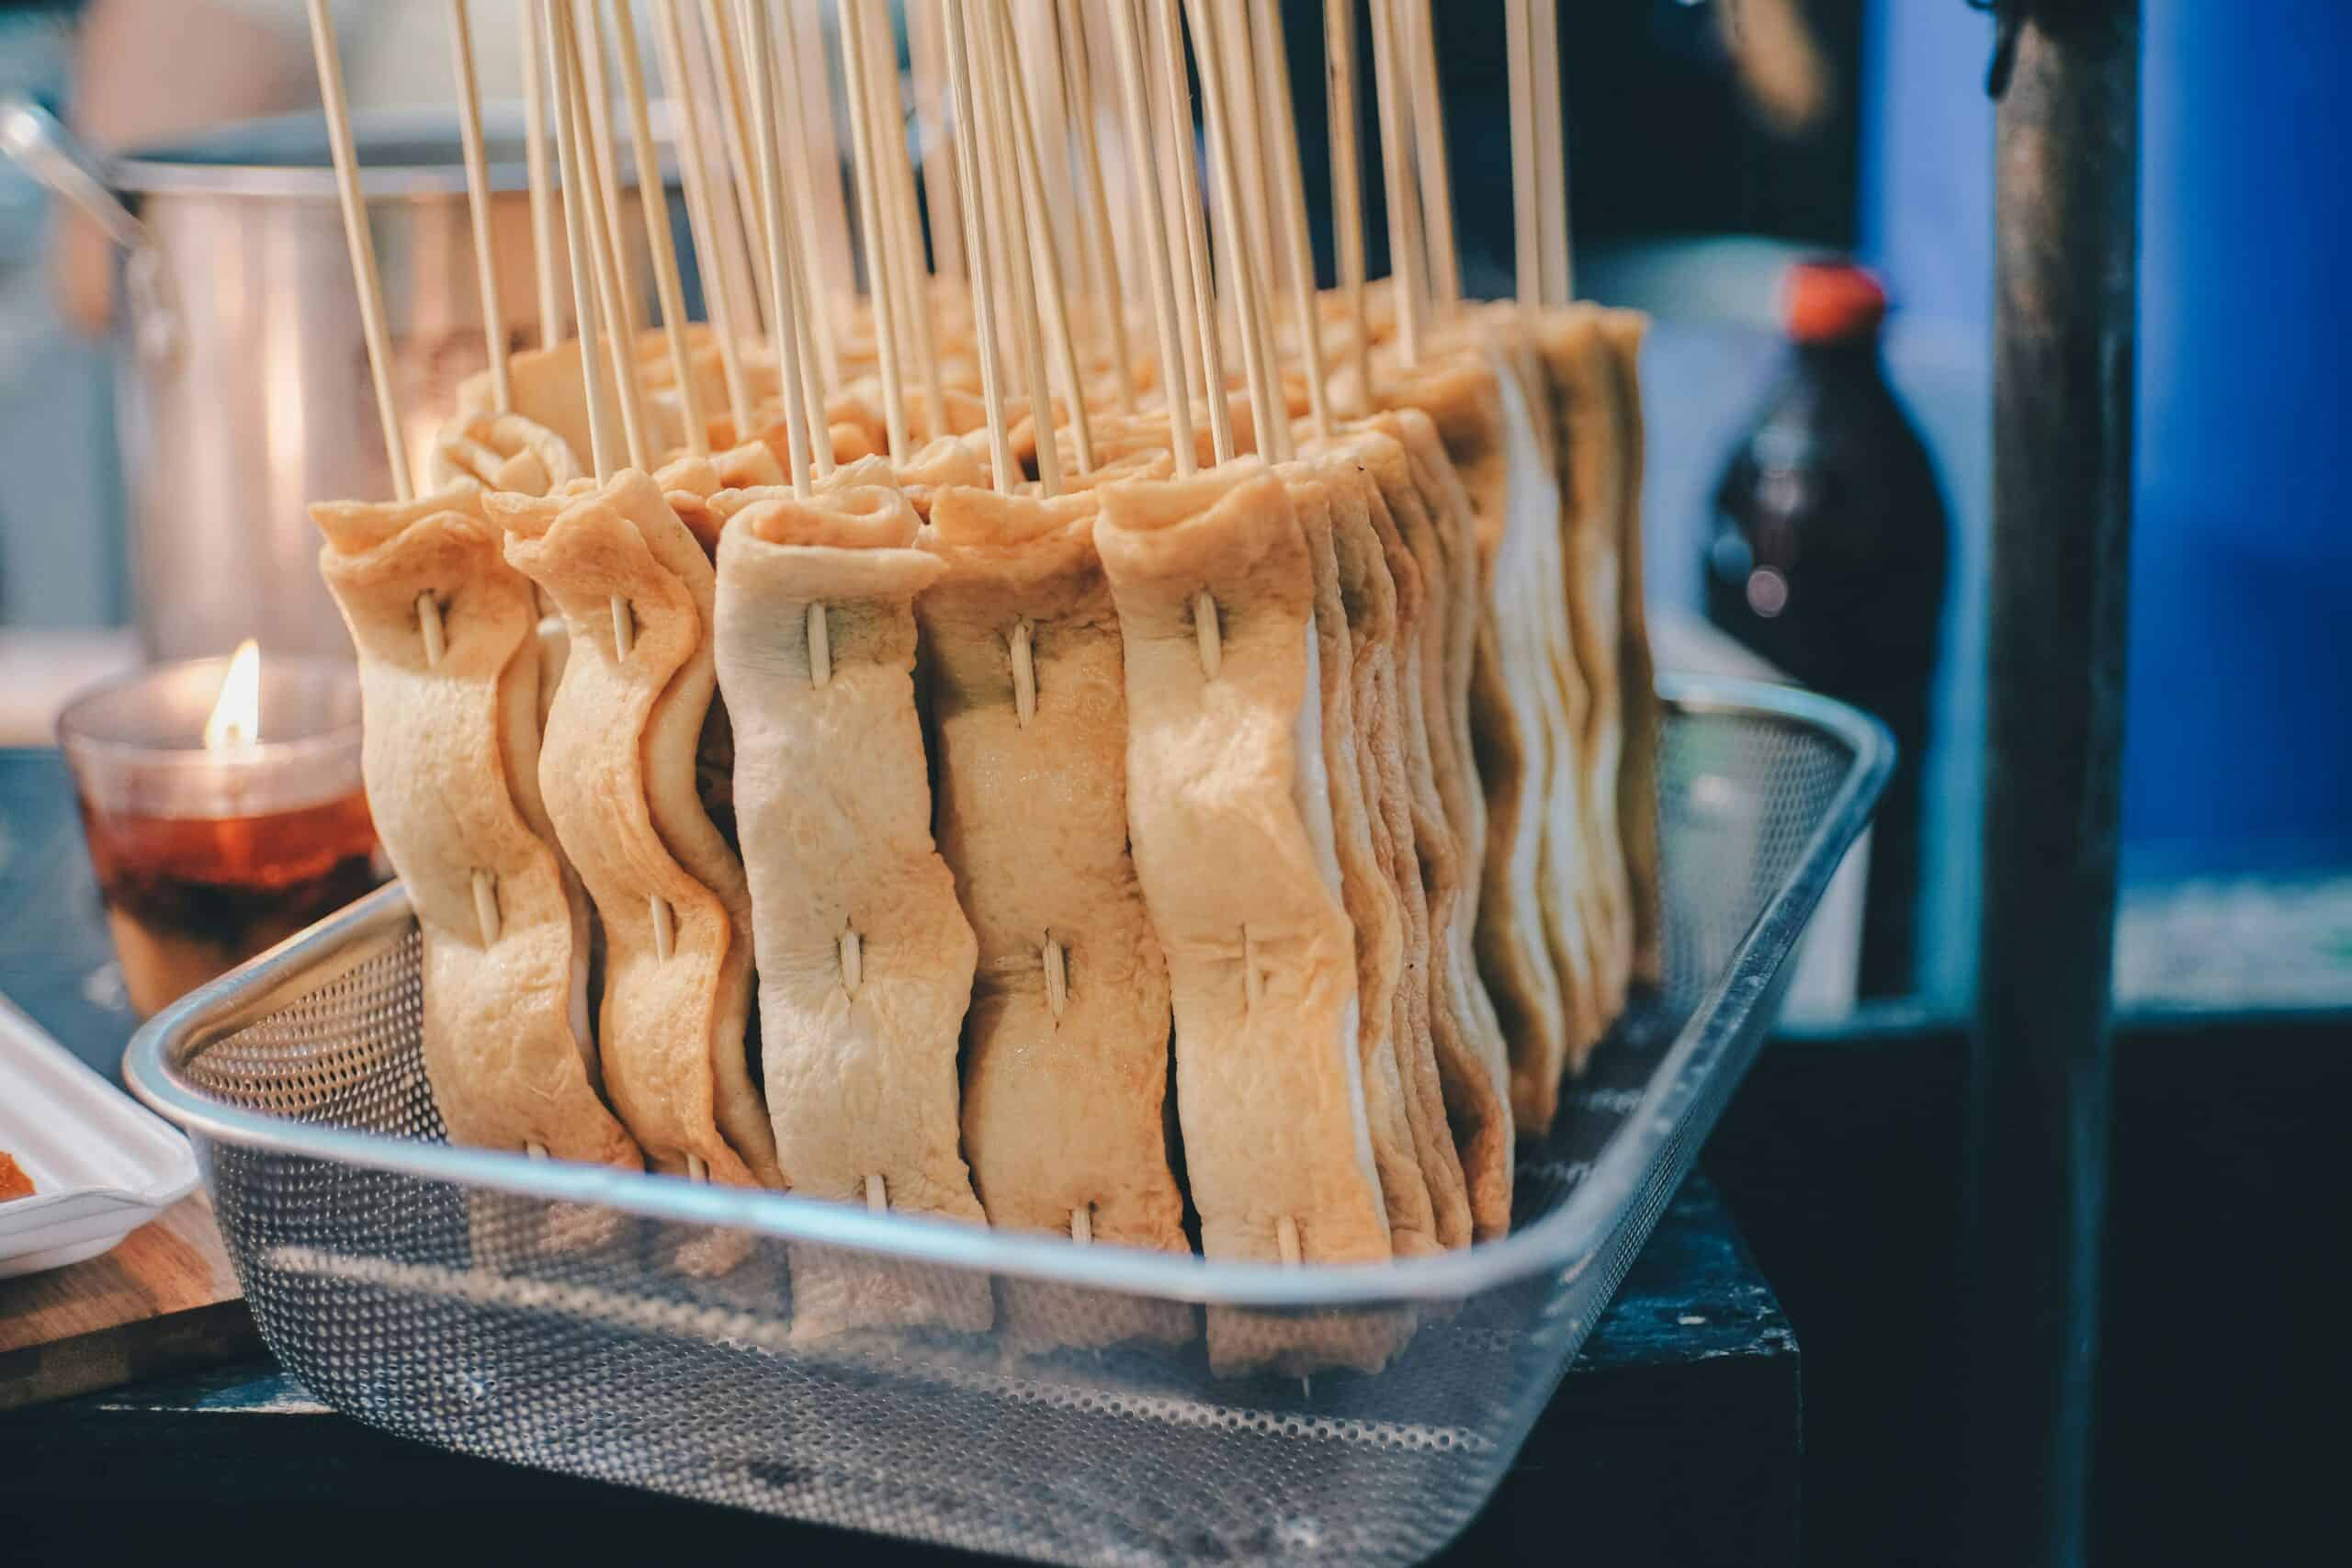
x=101, y=1165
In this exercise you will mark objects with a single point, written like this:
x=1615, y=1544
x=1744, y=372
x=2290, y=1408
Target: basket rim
x=1567, y=1240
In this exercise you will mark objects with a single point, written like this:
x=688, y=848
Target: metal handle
x=52, y=155
x=48, y=152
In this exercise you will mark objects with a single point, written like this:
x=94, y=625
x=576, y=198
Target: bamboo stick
x=799, y=446
x=1347, y=183
x=534, y=164
x=1274, y=74
x=976, y=246
x=494, y=318
x=653, y=201
x=1047, y=264
x=577, y=215
x=1527, y=245
x=1010, y=226
x=1405, y=254
x=1168, y=35
x=1103, y=251
x=1143, y=158
x=927, y=47
x=727, y=70
x=916, y=299
x=1552, y=154
x=360, y=242
x=593, y=110
x=812, y=277
x=858, y=79
x=1418, y=29
x=693, y=166
x=1269, y=417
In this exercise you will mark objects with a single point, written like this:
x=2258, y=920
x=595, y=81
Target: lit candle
x=224, y=810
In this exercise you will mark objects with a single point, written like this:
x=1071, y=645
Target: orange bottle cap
x=1831, y=301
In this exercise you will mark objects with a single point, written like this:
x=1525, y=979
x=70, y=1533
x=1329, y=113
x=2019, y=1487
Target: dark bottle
x=1829, y=555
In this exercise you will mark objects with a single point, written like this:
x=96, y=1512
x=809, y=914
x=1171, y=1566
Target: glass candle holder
x=224, y=807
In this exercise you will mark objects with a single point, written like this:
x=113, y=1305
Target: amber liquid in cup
x=189, y=899
x=209, y=850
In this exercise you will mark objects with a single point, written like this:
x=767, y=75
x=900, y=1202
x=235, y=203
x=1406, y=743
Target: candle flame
x=236, y=715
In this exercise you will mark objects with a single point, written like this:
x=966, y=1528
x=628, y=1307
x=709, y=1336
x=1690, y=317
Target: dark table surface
x=1674, y=1439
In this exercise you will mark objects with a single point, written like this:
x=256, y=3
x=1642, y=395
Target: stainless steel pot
x=243, y=390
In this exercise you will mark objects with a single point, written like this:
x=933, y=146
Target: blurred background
x=1713, y=143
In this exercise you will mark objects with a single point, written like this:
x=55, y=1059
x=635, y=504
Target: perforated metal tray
x=640, y=1329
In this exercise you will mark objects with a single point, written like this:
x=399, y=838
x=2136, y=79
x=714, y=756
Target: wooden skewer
x=579, y=216
x=1010, y=226
x=1527, y=245
x=1170, y=196
x=812, y=282
x=727, y=69
x=976, y=246
x=359, y=241
x=1552, y=154
x=1168, y=35
x=1246, y=103
x=653, y=200
x=1035, y=89
x=704, y=101
x=877, y=1197
x=1418, y=30
x=1047, y=262
x=815, y=332
x=858, y=78
x=1082, y=1227
x=1274, y=74
x=1095, y=77
x=430, y=629
x=601, y=190
x=1405, y=254
x=1267, y=413
x=1347, y=183
x=812, y=328
x=670, y=44
x=1248, y=96
x=927, y=47
x=1143, y=161
x=903, y=224
x=493, y=317
x=590, y=45
x=799, y=442
x=1102, y=248
x=1000, y=222
x=577, y=205
x=535, y=161
x=812, y=88
x=665, y=927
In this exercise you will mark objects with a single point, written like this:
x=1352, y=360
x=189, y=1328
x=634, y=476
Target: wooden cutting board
x=165, y=1301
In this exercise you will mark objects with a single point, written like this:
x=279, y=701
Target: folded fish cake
x=1378, y=612
x=449, y=676
x=1340, y=825
x=1447, y=815
x=618, y=769
x=866, y=959
x=1065, y=1054
x=1215, y=590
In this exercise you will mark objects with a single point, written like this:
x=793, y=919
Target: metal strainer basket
x=641, y=1329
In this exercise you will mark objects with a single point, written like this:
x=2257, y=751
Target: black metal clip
x=2009, y=19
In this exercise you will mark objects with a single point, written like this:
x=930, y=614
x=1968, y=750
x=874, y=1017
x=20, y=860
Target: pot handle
x=56, y=159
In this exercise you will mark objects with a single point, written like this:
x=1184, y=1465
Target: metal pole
x=2067, y=228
